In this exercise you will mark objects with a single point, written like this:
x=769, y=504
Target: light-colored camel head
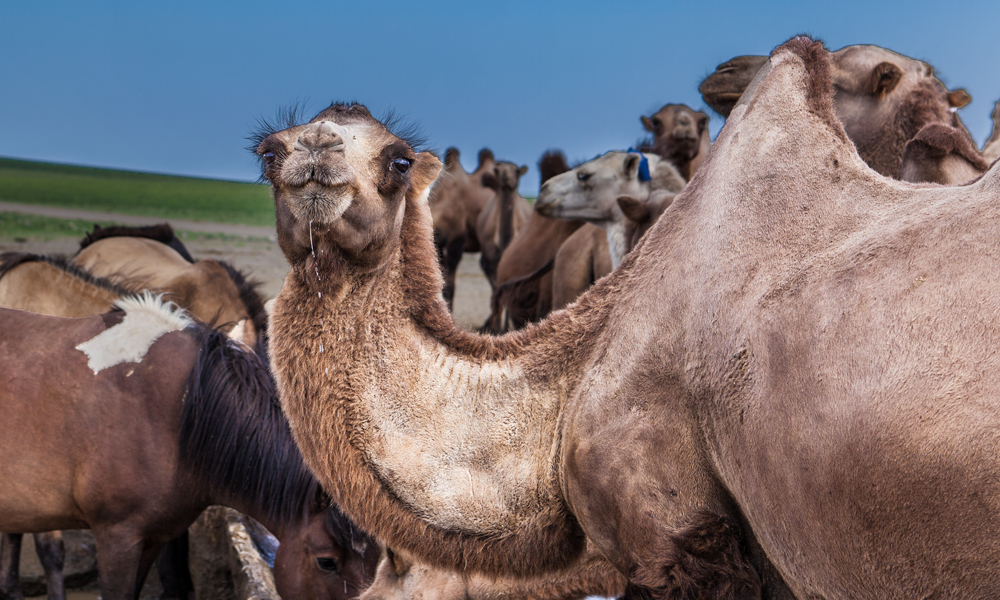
x=399, y=577
x=677, y=130
x=505, y=176
x=339, y=182
x=590, y=192
x=883, y=99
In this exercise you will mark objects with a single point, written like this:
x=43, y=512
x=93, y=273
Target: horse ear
x=958, y=98
x=631, y=166
x=424, y=171
x=489, y=179
x=647, y=124
x=883, y=79
x=634, y=209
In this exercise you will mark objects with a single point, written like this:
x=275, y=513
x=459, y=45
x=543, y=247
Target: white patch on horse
x=147, y=317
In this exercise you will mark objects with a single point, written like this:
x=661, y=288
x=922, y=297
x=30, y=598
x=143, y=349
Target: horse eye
x=327, y=565
x=402, y=164
x=268, y=157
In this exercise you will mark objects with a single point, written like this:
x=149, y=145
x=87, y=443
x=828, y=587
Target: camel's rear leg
x=10, y=566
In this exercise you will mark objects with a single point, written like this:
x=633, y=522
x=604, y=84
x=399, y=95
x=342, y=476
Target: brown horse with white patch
x=157, y=418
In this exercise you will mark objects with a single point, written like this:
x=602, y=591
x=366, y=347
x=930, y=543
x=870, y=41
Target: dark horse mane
x=9, y=260
x=161, y=232
x=234, y=432
x=249, y=294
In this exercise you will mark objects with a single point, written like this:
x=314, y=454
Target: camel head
x=676, y=130
x=505, y=176
x=399, y=577
x=722, y=89
x=883, y=99
x=589, y=191
x=339, y=184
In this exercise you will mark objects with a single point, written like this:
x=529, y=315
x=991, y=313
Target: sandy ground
x=262, y=260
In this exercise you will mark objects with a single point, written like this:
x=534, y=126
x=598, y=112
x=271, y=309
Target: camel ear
x=631, y=167
x=522, y=170
x=424, y=171
x=634, y=209
x=490, y=180
x=883, y=79
x=958, y=98
x=399, y=564
x=648, y=124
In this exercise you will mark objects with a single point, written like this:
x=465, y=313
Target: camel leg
x=10, y=566
x=123, y=561
x=52, y=554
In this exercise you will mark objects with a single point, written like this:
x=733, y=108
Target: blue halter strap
x=643, y=165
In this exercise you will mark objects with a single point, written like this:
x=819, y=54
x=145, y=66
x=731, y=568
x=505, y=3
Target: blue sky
x=176, y=87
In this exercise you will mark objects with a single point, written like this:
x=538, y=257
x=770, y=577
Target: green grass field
x=134, y=193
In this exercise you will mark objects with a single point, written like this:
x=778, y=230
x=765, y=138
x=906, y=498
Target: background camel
x=503, y=216
x=717, y=450
x=991, y=149
x=680, y=135
x=535, y=245
x=589, y=192
x=642, y=214
x=580, y=261
x=882, y=98
x=456, y=201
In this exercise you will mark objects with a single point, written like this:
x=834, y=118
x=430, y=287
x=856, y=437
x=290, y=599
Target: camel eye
x=268, y=157
x=327, y=565
x=581, y=176
x=401, y=164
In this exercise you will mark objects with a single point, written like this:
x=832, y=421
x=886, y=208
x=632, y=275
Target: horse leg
x=52, y=554
x=123, y=561
x=172, y=565
x=10, y=566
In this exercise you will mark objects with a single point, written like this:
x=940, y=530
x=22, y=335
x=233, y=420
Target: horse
x=156, y=418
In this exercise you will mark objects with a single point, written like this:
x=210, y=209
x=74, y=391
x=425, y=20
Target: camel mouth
x=319, y=202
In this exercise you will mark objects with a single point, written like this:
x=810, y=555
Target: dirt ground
x=262, y=260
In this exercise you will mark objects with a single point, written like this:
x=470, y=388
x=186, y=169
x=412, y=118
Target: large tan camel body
x=788, y=388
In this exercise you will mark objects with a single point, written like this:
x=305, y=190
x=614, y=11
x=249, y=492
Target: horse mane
x=161, y=232
x=249, y=290
x=344, y=531
x=9, y=260
x=234, y=433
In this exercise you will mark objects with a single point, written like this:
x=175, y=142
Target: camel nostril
x=322, y=136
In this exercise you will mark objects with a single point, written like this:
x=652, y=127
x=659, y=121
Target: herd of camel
x=754, y=368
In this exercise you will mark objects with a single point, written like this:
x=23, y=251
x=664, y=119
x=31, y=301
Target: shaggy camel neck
x=464, y=426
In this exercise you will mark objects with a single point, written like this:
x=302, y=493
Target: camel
x=787, y=389
x=400, y=577
x=589, y=192
x=456, y=202
x=502, y=217
x=680, y=135
x=529, y=299
x=991, y=149
x=641, y=214
x=882, y=98
x=581, y=260
x=942, y=154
